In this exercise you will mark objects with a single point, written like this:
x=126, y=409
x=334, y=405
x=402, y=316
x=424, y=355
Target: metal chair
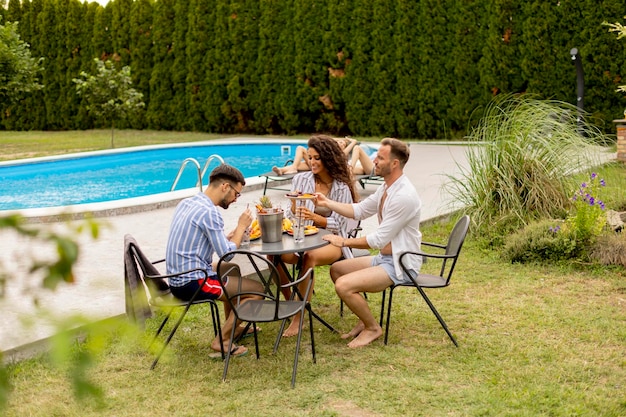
x=448, y=262
x=157, y=289
x=269, y=306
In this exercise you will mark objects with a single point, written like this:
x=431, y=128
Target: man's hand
x=245, y=219
x=334, y=240
x=320, y=200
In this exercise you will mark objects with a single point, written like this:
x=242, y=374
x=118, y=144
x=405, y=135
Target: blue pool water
x=107, y=176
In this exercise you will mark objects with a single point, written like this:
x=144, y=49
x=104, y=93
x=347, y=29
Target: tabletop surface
x=287, y=244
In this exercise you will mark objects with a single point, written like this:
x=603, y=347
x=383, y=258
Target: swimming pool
x=120, y=174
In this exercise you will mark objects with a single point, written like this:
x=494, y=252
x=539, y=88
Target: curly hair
x=334, y=160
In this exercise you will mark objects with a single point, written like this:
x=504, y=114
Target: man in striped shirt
x=196, y=234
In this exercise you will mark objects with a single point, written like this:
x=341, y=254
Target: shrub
x=545, y=240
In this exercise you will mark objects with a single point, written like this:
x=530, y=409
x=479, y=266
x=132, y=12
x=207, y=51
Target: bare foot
x=366, y=337
x=354, y=332
x=277, y=170
x=292, y=330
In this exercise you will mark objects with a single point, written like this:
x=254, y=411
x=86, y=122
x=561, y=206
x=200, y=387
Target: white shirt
x=400, y=221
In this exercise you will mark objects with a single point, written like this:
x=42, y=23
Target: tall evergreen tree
x=337, y=41
x=467, y=94
x=242, y=35
x=358, y=79
x=160, y=108
x=383, y=101
x=141, y=54
x=406, y=52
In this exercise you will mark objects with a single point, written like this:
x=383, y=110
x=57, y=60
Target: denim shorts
x=386, y=261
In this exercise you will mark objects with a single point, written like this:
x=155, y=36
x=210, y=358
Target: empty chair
x=448, y=261
x=158, y=293
x=269, y=306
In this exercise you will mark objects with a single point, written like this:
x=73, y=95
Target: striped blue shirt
x=196, y=233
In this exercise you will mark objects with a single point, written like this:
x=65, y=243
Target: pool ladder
x=201, y=172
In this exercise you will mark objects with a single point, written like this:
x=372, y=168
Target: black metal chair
x=448, y=262
x=269, y=307
x=159, y=296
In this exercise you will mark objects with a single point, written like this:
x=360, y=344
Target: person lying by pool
x=360, y=162
x=301, y=160
x=196, y=233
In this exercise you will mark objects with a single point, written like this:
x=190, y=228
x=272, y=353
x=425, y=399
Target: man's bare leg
x=227, y=327
x=341, y=268
x=349, y=287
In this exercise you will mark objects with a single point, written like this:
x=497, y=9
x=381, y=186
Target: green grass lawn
x=533, y=340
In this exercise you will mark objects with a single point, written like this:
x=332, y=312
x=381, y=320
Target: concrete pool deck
x=98, y=292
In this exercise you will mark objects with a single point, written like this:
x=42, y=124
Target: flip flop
x=233, y=352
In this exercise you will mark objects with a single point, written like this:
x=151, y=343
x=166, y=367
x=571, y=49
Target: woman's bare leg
x=325, y=255
x=365, y=164
x=300, y=163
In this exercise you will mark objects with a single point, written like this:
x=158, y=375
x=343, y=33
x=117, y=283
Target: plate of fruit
x=299, y=195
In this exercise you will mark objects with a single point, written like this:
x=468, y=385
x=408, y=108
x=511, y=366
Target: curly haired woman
x=330, y=176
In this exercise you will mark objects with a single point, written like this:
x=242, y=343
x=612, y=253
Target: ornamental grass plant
x=521, y=167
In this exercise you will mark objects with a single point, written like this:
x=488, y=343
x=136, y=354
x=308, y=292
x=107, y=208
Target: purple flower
x=593, y=175
x=554, y=229
x=601, y=204
x=583, y=185
x=591, y=200
x=602, y=183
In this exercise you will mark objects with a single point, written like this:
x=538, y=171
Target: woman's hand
x=305, y=213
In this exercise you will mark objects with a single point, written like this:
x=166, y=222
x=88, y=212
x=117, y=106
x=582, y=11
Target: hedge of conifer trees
x=404, y=68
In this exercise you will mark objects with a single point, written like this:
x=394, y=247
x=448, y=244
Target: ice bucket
x=271, y=226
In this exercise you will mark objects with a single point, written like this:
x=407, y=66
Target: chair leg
x=295, y=360
x=217, y=327
x=388, y=313
x=158, y=332
x=230, y=348
x=436, y=313
x=382, y=308
x=311, y=331
x=167, y=341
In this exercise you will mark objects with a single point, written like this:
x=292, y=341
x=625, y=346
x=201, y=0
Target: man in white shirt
x=398, y=207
